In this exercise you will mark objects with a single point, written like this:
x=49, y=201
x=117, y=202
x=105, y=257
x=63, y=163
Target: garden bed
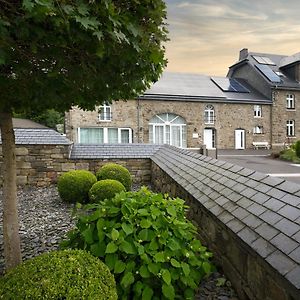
x=45, y=220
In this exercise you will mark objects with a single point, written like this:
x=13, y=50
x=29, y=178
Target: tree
x=56, y=54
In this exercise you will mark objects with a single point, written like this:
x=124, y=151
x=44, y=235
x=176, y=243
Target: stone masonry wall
x=136, y=115
x=250, y=221
x=41, y=165
x=280, y=116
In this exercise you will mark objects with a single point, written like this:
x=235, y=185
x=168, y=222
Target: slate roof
x=38, y=136
x=263, y=211
x=111, y=151
x=279, y=60
x=195, y=87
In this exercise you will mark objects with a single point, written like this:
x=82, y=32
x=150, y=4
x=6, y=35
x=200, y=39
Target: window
x=290, y=101
x=167, y=129
x=104, y=135
x=209, y=114
x=290, y=128
x=258, y=130
x=257, y=111
x=105, y=113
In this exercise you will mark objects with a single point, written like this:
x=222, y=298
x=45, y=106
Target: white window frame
x=290, y=101
x=105, y=133
x=120, y=137
x=290, y=128
x=258, y=129
x=106, y=115
x=209, y=114
x=167, y=127
x=257, y=111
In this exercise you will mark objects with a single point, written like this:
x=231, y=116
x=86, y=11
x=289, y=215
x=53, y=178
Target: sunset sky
x=207, y=35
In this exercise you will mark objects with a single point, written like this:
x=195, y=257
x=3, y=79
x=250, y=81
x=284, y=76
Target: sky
x=207, y=35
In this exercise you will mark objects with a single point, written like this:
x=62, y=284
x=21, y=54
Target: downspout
x=138, y=120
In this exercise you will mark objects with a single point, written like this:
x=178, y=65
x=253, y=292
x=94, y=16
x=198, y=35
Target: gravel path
x=45, y=220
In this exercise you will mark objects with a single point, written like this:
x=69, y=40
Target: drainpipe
x=138, y=120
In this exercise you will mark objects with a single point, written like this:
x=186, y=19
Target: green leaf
x=189, y=294
x=88, y=236
x=143, y=212
x=153, y=245
x=154, y=268
x=114, y=234
x=144, y=272
x=110, y=260
x=166, y=276
x=111, y=248
x=175, y=263
x=28, y=5
x=147, y=293
x=138, y=288
x=168, y=291
x=185, y=268
x=96, y=249
x=146, y=234
x=159, y=257
x=119, y=267
x=171, y=211
x=127, y=280
x=206, y=267
x=145, y=223
x=173, y=245
x=128, y=228
x=128, y=247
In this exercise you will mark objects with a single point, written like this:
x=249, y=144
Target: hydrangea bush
x=147, y=243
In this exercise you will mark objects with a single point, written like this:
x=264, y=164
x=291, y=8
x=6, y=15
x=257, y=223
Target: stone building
x=254, y=106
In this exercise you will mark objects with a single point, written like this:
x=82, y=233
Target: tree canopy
x=55, y=54
x=58, y=53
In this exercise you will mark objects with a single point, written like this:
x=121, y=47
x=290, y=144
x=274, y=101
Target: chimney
x=243, y=54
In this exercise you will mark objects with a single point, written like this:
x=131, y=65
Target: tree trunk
x=11, y=238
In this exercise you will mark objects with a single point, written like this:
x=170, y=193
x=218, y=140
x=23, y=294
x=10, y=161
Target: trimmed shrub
x=147, y=243
x=105, y=189
x=116, y=172
x=68, y=274
x=74, y=186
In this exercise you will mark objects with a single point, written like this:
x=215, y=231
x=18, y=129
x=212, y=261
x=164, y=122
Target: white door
x=239, y=139
x=208, y=138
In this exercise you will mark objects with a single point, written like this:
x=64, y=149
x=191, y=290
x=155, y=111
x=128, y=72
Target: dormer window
x=105, y=113
x=290, y=101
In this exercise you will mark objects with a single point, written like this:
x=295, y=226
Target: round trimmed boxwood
x=105, y=189
x=67, y=274
x=74, y=186
x=116, y=172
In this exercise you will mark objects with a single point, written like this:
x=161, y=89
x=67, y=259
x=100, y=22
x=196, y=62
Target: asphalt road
x=260, y=160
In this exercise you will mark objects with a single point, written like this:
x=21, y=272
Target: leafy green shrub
x=116, y=172
x=74, y=186
x=68, y=274
x=289, y=155
x=147, y=242
x=105, y=189
x=297, y=148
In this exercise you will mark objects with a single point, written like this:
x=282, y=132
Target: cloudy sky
x=207, y=35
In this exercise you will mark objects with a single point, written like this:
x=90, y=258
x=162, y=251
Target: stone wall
x=250, y=221
x=280, y=116
x=41, y=165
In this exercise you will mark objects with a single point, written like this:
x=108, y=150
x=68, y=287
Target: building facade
x=246, y=109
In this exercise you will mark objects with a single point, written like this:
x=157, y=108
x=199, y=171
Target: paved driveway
x=260, y=160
